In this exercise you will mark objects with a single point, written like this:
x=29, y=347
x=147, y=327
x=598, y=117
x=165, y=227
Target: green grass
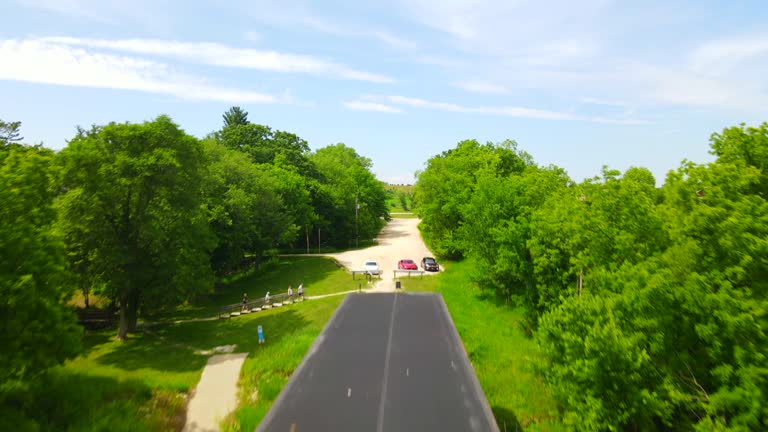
x=142, y=384
x=503, y=357
x=320, y=275
x=268, y=367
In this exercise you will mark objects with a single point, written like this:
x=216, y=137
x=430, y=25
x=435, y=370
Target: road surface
x=384, y=362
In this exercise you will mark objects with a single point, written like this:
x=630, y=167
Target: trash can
x=397, y=285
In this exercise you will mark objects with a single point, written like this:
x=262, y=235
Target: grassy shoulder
x=503, y=357
x=320, y=275
x=144, y=382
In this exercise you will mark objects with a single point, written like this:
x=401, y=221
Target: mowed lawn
x=320, y=275
x=143, y=384
x=503, y=356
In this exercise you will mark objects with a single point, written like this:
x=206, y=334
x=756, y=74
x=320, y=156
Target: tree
x=36, y=329
x=744, y=144
x=346, y=182
x=133, y=193
x=247, y=205
x=235, y=116
x=9, y=132
x=448, y=183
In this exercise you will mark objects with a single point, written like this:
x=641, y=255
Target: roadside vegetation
x=649, y=303
x=143, y=383
x=503, y=356
x=146, y=219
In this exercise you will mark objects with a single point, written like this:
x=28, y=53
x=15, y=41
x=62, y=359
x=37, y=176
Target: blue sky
x=576, y=84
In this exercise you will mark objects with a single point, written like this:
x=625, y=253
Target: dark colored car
x=406, y=264
x=429, y=264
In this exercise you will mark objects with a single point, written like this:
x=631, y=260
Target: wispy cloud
x=509, y=111
x=45, y=62
x=719, y=55
x=395, y=41
x=481, y=87
x=222, y=55
x=371, y=106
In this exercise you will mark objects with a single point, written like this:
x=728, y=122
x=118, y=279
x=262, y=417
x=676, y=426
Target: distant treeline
x=649, y=303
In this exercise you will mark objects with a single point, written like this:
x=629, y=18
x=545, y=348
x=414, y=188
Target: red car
x=406, y=264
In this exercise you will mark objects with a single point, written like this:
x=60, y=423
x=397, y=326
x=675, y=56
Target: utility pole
x=318, y=240
x=357, y=230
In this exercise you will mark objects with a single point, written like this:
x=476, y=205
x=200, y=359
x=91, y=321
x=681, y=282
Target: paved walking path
x=216, y=393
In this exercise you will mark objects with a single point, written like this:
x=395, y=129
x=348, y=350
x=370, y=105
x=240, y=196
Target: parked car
x=406, y=264
x=372, y=267
x=429, y=264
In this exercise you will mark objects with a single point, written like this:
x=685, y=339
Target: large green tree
x=247, y=205
x=36, y=329
x=448, y=183
x=350, y=202
x=133, y=195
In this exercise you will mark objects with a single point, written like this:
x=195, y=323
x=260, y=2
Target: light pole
x=357, y=231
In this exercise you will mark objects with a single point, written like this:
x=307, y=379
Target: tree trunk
x=122, y=331
x=133, y=310
x=129, y=306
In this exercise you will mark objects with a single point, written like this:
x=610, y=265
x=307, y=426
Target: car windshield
x=429, y=260
x=371, y=264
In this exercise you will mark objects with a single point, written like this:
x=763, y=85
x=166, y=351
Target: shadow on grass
x=506, y=419
x=62, y=399
x=174, y=348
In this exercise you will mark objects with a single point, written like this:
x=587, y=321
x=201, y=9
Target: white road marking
x=406, y=372
x=453, y=365
x=380, y=425
x=349, y=392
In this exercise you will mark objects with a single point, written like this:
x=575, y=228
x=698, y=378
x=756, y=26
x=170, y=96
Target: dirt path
x=399, y=239
x=216, y=393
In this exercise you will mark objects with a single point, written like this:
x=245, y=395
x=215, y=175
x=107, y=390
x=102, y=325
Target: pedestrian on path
x=245, y=302
x=266, y=298
x=290, y=294
x=301, y=291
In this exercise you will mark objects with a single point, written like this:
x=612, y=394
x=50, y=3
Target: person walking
x=266, y=298
x=290, y=294
x=301, y=291
x=245, y=302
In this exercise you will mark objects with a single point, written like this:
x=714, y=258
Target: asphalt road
x=384, y=362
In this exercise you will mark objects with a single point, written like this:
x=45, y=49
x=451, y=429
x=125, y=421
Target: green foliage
x=345, y=181
x=748, y=145
x=246, y=205
x=651, y=304
x=448, y=183
x=235, y=116
x=9, y=132
x=36, y=330
x=134, y=199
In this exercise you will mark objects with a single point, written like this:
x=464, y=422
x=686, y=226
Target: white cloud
x=394, y=41
x=371, y=106
x=726, y=54
x=509, y=111
x=45, y=62
x=481, y=87
x=222, y=55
